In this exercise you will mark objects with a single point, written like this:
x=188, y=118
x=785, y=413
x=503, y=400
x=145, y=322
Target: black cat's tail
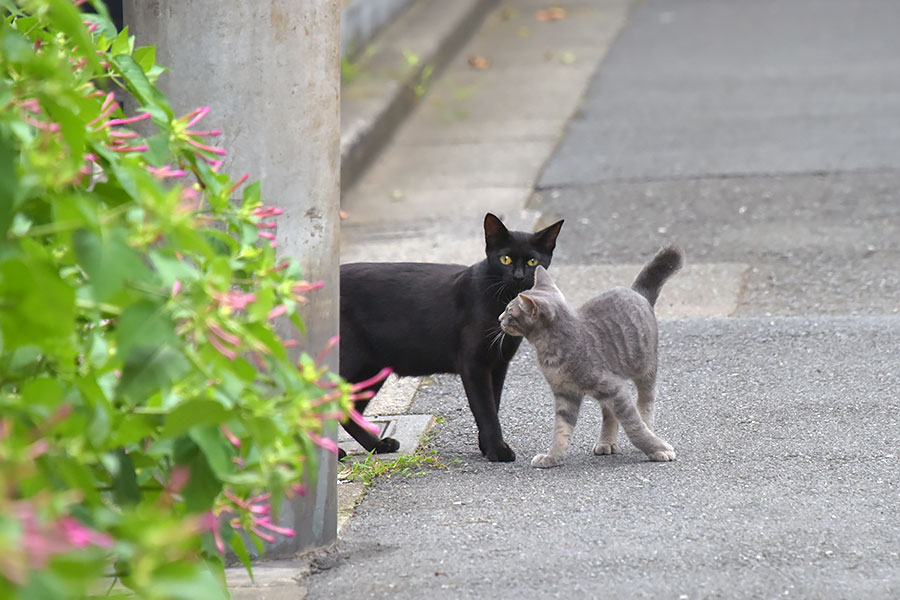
x=652, y=277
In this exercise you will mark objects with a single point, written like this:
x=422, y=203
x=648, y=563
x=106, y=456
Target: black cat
x=421, y=318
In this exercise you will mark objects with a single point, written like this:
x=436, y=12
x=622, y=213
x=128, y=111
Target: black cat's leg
x=566, y=409
x=609, y=432
x=357, y=364
x=498, y=376
x=618, y=400
x=479, y=390
x=366, y=438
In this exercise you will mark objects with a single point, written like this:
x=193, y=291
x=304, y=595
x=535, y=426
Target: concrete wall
x=270, y=71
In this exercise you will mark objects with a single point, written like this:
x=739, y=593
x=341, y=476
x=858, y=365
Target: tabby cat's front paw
x=386, y=446
x=545, y=461
x=502, y=453
x=604, y=448
x=666, y=454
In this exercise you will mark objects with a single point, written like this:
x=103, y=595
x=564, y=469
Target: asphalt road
x=787, y=482
x=762, y=134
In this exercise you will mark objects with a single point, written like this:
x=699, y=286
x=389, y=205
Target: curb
x=396, y=68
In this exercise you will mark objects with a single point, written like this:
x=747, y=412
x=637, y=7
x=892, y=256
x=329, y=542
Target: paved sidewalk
x=763, y=137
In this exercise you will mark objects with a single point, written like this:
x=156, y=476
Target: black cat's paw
x=502, y=453
x=387, y=445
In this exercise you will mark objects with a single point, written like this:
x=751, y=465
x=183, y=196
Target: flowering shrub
x=148, y=408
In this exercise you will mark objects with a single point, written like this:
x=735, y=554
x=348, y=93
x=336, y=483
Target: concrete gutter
x=391, y=74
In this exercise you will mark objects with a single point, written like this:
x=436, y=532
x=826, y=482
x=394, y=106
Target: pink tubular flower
x=106, y=109
x=267, y=523
x=166, y=171
x=178, y=478
x=226, y=336
x=31, y=105
x=235, y=440
x=382, y=374
x=209, y=522
x=268, y=236
x=129, y=148
x=277, y=312
x=357, y=418
x=236, y=300
x=238, y=184
x=222, y=349
x=262, y=534
x=194, y=116
x=176, y=287
x=127, y=121
x=42, y=125
x=264, y=212
x=81, y=537
x=326, y=443
x=328, y=347
x=206, y=148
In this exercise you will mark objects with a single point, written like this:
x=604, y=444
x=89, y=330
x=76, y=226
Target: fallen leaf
x=554, y=13
x=567, y=58
x=478, y=62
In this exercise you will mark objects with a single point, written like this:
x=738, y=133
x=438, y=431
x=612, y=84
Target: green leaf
x=171, y=269
x=191, y=413
x=214, y=446
x=149, y=371
x=108, y=262
x=145, y=326
x=139, y=85
x=131, y=429
x=240, y=550
x=203, y=487
x=145, y=57
x=125, y=486
x=70, y=21
x=42, y=392
x=8, y=159
x=35, y=304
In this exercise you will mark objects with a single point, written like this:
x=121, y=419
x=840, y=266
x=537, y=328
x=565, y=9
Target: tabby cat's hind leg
x=638, y=433
x=646, y=390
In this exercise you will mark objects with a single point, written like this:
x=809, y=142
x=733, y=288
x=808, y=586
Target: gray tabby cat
x=595, y=350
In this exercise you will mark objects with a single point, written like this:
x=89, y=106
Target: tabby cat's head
x=533, y=308
x=513, y=256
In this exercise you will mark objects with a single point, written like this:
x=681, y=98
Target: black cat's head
x=512, y=256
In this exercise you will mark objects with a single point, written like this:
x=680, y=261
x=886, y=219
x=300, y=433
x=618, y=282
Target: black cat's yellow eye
x=532, y=262
x=505, y=260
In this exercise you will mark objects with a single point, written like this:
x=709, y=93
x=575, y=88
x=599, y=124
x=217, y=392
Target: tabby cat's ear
x=542, y=279
x=546, y=238
x=529, y=306
x=495, y=232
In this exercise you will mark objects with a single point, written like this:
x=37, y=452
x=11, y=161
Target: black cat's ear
x=546, y=238
x=495, y=232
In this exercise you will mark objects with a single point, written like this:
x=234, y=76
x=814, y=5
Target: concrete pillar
x=270, y=71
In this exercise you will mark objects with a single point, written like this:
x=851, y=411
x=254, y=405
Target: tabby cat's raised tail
x=652, y=277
